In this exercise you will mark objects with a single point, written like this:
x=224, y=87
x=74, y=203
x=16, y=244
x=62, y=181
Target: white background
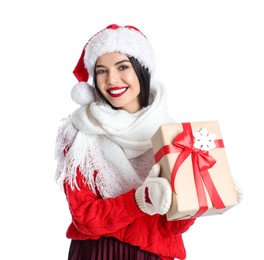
x=210, y=55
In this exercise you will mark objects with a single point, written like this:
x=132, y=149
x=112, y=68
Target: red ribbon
x=201, y=162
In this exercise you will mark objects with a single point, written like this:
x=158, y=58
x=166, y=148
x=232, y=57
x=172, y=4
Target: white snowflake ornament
x=203, y=140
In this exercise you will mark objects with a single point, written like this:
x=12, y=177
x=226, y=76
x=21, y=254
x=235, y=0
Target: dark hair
x=144, y=81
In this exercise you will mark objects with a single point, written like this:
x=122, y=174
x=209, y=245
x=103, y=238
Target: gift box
x=193, y=158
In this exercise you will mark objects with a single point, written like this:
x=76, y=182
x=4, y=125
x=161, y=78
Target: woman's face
x=117, y=81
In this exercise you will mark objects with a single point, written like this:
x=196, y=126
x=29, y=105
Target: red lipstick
x=117, y=91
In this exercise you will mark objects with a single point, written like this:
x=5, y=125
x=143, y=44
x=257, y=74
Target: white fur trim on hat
x=82, y=93
x=124, y=40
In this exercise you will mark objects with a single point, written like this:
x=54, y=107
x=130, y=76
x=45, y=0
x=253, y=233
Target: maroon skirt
x=107, y=248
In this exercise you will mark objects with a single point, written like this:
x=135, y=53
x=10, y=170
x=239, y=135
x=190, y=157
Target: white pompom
x=82, y=93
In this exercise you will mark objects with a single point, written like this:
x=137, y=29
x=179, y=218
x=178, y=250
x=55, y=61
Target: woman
x=105, y=161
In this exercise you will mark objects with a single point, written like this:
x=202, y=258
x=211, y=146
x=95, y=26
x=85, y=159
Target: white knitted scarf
x=114, y=143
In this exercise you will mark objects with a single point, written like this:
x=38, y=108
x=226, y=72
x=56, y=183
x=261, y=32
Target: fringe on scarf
x=72, y=152
x=64, y=140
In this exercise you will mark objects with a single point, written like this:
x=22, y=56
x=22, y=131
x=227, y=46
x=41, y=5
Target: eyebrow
x=117, y=63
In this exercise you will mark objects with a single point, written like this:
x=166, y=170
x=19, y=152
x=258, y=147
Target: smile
x=117, y=91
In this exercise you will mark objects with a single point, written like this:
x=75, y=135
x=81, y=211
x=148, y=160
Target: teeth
x=117, y=91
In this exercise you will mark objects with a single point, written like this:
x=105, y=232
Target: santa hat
x=127, y=40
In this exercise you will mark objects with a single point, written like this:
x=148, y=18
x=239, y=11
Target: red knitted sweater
x=120, y=217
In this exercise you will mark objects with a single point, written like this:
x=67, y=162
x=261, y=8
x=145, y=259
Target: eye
x=123, y=67
x=100, y=71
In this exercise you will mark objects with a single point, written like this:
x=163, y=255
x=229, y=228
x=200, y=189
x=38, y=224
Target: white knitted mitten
x=154, y=195
x=238, y=189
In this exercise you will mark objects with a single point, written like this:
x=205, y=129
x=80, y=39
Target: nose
x=112, y=78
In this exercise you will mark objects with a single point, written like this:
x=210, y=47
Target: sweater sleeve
x=176, y=227
x=94, y=216
x=120, y=217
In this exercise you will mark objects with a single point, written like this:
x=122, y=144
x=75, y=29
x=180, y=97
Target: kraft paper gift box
x=193, y=158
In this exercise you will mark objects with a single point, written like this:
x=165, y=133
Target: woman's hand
x=154, y=196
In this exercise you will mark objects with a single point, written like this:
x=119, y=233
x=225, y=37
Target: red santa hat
x=127, y=40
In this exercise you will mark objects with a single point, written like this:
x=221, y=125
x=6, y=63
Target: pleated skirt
x=107, y=248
